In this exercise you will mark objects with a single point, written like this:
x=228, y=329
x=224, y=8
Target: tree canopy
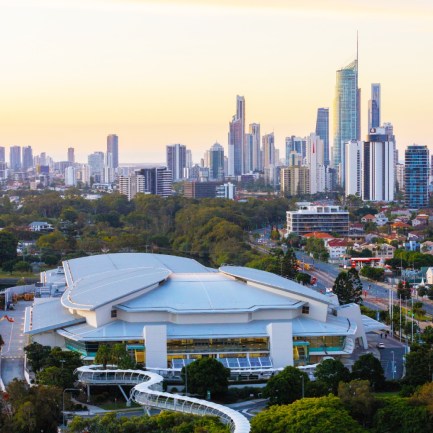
x=348, y=287
x=368, y=367
x=331, y=372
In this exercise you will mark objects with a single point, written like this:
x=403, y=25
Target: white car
x=380, y=346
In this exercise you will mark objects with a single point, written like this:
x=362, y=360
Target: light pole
x=63, y=400
x=393, y=365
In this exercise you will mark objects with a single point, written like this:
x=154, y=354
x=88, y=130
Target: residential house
x=40, y=226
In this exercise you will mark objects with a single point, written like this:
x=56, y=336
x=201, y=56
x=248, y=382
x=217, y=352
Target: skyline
x=159, y=74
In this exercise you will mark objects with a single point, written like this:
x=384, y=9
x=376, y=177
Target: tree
x=375, y=274
x=289, y=265
x=286, y=386
x=348, y=287
x=397, y=416
x=424, y=396
x=8, y=247
x=368, y=367
x=403, y=291
x=206, y=375
x=419, y=365
x=22, y=267
x=312, y=415
x=121, y=357
x=37, y=355
x=358, y=400
x=103, y=355
x=316, y=247
x=331, y=372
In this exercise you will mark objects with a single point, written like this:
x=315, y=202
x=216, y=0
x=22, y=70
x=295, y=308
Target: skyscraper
x=27, y=154
x=237, y=138
x=96, y=164
x=322, y=130
x=254, y=130
x=374, y=107
x=379, y=167
x=2, y=154
x=176, y=160
x=113, y=148
x=15, y=158
x=157, y=180
x=347, y=118
x=416, y=176
x=216, y=162
x=71, y=155
x=268, y=142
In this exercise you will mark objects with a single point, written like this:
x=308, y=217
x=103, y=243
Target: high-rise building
x=315, y=161
x=158, y=180
x=15, y=158
x=176, y=160
x=322, y=130
x=216, y=162
x=399, y=170
x=188, y=158
x=374, y=107
x=268, y=145
x=416, y=177
x=131, y=185
x=96, y=164
x=113, y=148
x=27, y=154
x=354, y=174
x=71, y=154
x=254, y=131
x=70, y=176
x=347, y=116
x=236, y=139
x=295, y=180
x=2, y=154
x=379, y=172
x=296, y=144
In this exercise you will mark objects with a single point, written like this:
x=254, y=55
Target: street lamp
x=393, y=365
x=63, y=399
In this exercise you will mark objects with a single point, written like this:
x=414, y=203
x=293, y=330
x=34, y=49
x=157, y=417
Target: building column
x=281, y=343
x=155, y=343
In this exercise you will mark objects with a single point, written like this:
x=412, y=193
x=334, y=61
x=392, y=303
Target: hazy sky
x=155, y=73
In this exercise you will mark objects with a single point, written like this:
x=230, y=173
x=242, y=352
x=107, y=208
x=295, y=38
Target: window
x=113, y=314
x=305, y=309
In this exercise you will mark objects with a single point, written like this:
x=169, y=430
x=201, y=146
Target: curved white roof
x=273, y=280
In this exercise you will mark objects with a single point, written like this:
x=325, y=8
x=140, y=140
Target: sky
x=157, y=73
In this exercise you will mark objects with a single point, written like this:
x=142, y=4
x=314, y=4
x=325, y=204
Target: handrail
x=148, y=392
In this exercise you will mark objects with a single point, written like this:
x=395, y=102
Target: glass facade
x=346, y=112
x=416, y=177
x=322, y=130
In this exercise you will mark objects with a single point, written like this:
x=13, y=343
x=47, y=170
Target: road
x=12, y=354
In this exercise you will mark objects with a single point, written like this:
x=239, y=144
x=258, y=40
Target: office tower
x=268, y=145
x=2, y=154
x=347, y=116
x=196, y=189
x=399, y=170
x=248, y=154
x=96, y=164
x=236, y=139
x=15, y=158
x=176, y=160
x=254, y=131
x=374, y=107
x=226, y=190
x=322, y=130
x=131, y=185
x=70, y=176
x=294, y=158
x=354, y=173
x=71, y=155
x=113, y=148
x=157, y=180
x=379, y=174
x=296, y=144
x=315, y=158
x=83, y=174
x=216, y=162
x=416, y=177
x=188, y=158
x=27, y=154
x=295, y=180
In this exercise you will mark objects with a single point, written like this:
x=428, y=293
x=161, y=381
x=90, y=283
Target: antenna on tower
x=357, y=50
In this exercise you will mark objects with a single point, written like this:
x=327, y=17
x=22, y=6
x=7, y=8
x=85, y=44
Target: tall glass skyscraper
x=347, y=117
x=374, y=107
x=322, y=130
x=113, y=148
x=416, y=176
x=216, y=162
x=237, y=138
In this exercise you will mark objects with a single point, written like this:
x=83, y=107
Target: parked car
x=380, y=346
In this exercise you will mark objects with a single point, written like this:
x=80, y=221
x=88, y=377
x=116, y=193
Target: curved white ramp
x=148, y=392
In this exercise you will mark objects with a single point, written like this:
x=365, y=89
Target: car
x=380, y=346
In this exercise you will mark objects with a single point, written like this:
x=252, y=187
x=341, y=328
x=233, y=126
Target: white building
x=131, y=185
x=354, y=174
x=171, y=310
x=309, y=218
x=227, y=190
x=70, y=176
